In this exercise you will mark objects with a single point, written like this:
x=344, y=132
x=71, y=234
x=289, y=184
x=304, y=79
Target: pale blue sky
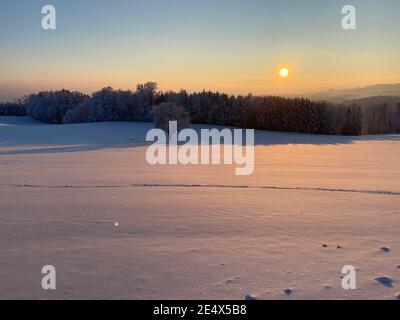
x=234, y=46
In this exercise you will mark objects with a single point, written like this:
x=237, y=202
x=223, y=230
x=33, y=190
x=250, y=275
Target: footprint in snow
x=250, y=297
x=288, y=291
x=385, y=249
x=232, y=280
x=385, y=281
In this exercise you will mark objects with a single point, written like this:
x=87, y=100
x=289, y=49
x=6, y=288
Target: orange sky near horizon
x=237, y=48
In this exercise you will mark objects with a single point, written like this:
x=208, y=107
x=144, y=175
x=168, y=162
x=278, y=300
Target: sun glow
x=284, y=72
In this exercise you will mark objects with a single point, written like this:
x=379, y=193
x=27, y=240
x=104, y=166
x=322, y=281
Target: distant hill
x=340, y=96
x=377, y=100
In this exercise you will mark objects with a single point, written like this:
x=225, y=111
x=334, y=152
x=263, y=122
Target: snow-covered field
x=197, y=231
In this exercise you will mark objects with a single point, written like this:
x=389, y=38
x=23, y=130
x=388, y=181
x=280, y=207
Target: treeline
x=381, y=118
x=275, y=113
x=206, y=107
x=12, y=109
x=105, y=105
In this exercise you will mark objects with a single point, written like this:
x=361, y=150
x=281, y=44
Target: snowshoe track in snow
x=217, y=186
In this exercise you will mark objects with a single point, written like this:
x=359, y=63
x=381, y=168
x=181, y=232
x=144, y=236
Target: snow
x=82, y=198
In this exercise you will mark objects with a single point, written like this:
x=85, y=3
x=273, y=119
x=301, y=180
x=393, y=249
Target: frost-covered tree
x=51, y=106
x=103, y=105
x=113, y=105
x=79, y=114
x=146, y=95
x=166, y=112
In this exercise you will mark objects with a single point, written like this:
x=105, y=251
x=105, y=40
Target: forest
x=246, y=111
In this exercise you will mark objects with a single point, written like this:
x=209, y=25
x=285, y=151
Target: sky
x=235, y=46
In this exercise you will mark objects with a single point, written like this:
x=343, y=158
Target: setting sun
x=284, y=72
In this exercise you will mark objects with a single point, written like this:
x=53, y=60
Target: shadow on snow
x=26, y=136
